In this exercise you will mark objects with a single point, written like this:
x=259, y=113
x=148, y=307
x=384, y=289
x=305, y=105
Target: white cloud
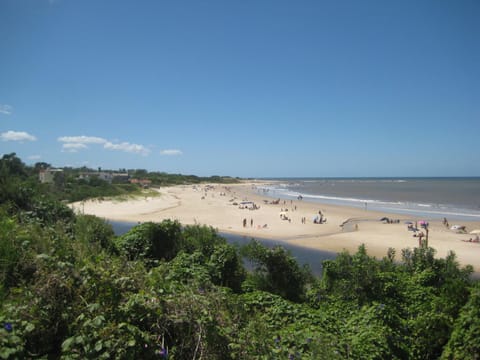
x=5, y=109
x=17, y=136
x=73, y=147
x=127, y=147
x=76, y=143
x=171, y=152
x=82, y=139
x=34, y=157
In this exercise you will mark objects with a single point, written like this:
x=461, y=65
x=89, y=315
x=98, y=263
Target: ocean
x=431, y=198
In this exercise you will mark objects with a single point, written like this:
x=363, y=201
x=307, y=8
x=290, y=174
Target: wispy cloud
x=171, y=152
x=34, y=157
x=82, y=139
x=73, y=147
x=17, y=136
x=127, y=147
x=76, y=143
x=5, y=109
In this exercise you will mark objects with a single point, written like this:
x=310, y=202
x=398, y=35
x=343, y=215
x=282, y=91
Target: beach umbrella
x=476, y=231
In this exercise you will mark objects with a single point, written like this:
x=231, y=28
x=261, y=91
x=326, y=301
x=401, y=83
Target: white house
x=47, y=176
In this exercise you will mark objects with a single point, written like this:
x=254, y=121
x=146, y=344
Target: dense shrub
x=277, y=271
x=151, y=241
x=16, y=259
x=464, y=342
x=94, y=232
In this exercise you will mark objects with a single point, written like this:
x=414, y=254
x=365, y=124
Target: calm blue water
x=313, y=258
x=453, y=198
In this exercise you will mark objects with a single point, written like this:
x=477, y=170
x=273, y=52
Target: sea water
x=431, y=198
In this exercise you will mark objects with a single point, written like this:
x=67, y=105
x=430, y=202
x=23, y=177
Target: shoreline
x=213, y=205
x=426, y=210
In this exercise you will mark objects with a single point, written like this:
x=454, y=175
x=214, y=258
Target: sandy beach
x=229, y=209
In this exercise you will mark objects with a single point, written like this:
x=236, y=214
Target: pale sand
x=206, y=205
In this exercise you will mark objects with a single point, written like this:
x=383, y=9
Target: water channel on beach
x=313, y=258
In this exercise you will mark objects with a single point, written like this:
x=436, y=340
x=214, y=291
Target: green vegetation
x=71, y=289
x=165, y=179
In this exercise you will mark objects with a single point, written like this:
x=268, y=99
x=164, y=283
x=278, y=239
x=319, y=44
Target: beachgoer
x=420, y=236
x=445, y=222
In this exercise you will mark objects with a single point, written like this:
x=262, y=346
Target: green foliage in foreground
x=75, y=291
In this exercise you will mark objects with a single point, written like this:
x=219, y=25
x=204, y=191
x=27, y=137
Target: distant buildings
x=47, y=176
x=106, y=176
x=143, y=182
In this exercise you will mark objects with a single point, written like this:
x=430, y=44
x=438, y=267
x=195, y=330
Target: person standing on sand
x=251, y=222
x=445, y=222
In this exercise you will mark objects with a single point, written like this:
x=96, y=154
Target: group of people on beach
x=422, y=237
x=319, y=219
x=245, y=222
x=474, y=240
x=387, y=220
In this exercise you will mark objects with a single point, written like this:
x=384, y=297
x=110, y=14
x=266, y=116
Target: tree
x=464, y=342
x=226, y=268
x=277, y=271
x=353, y=277
x=201, y=238
x=93, y=231
x=11, y=165
x=151, y=241
x=41, y=166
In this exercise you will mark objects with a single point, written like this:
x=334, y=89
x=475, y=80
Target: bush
x=464, y=342
x=277, y=271
x=226, y=268
x=92, y=231
x=16, y=259
x=151, y=241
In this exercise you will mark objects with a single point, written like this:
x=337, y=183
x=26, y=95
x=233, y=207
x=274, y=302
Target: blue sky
x=243, y=88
